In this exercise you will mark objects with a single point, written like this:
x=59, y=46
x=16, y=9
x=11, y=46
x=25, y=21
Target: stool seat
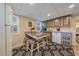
x=31, y=41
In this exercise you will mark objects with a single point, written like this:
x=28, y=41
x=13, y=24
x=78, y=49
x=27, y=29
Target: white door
x=5, y=30
x=2, y=30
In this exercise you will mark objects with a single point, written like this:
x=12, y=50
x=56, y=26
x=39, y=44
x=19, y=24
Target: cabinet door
x=56, y=37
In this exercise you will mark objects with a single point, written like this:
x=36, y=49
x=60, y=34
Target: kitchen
x=42, y=29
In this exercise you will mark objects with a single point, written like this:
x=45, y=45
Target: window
x=15, y=24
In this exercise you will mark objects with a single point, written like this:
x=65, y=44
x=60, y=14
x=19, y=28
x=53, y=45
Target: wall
x=18, y=38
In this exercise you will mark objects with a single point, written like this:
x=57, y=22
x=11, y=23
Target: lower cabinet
x=64, y=38
x=56, y=37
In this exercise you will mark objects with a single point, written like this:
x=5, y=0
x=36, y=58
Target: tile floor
x=52, y=49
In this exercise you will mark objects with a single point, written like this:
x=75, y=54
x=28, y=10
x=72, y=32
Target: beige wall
x=18, y=38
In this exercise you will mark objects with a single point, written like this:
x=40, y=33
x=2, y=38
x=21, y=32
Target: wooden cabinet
x=66, y=38
x=63, y=21
x=50, y=24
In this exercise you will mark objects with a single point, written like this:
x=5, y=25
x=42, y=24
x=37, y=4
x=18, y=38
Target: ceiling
x=39, y=11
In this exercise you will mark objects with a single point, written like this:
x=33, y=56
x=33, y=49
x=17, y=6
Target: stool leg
x=43, y=42
x=27, y=46
x=38, y=47
x=47, y=40
x=31, y=49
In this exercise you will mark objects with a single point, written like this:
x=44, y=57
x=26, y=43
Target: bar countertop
x=36, y=35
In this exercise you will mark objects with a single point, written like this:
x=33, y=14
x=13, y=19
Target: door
x=2, y=30
x=5, y=30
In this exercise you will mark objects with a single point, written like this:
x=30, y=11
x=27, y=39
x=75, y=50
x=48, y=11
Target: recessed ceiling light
x=71, y=6
x=31, y=3
x=48, y=14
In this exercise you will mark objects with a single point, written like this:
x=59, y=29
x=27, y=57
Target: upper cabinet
x=66, y=21
x=63, y=21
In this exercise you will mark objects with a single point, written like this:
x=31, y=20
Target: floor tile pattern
x=51, y=49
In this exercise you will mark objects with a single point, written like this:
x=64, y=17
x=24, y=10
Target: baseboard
x=17, y=46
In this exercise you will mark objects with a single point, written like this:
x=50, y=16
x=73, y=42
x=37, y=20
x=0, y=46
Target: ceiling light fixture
x=31, y=3
x=71, y=6
x=48, y=14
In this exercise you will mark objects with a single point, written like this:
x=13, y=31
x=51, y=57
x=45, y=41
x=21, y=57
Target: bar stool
x=41, y=42
x=30, y=46
x=29, y=43
x=47, y=39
